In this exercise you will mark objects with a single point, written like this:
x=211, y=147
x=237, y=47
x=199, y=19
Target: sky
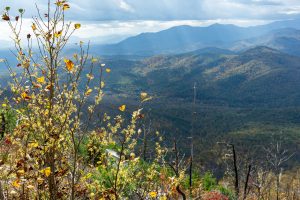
x=109, y=21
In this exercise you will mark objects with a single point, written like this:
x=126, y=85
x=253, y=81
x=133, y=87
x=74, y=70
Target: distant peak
x=180, y=27
x=217, y=24
x=212, y=50
x=261, y=49
x=222, y=25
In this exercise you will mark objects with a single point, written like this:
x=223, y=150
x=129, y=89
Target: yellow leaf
x=5, y=17
x=21, y=172
x=153, y=194
x=77, y=26
x=48, y=87
x=4, y=105
x=13, y=192
x=46, y=171
x=59, y=3
x=102, y=84
x=25, y=96
x=107, y=70
x=92, y=194
x=48, y=36
x=90, y=76
x=16, y=183
x=75, y=56
x=88, y=92
x=58, y=34
x=144, y=95
x=94, y=60
x=30, y=187
x=33, y=145
x=89, y=175
x=122, y=108
x=69, y=64
x=66, y=6
x=163, y=198
x=40, y=180
x=33, y=26
x=41, y=79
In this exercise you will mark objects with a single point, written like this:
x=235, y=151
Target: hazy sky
x=107, y=21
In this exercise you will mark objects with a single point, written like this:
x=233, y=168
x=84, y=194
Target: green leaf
x=21, y=10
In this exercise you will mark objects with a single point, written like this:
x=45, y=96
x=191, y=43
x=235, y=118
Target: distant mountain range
x=187, y=38
x=286, y=40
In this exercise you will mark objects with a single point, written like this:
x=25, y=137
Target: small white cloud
x=291, y=11
x=125, y=6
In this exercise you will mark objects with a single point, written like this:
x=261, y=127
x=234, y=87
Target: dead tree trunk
x=246, y=183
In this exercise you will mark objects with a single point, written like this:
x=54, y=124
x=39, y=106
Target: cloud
x=291, y=11
x=167, y=9
x=262, y=2
x=125, y=6
x=108, y=21
x=105, y=32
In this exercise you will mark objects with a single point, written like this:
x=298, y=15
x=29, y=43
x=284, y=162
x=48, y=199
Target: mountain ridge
x=185, y=38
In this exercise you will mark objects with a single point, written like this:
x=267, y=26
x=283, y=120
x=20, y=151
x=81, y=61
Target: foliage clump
x=51, y=148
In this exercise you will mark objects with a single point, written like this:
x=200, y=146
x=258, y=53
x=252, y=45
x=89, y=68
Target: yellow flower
x=107, y=70
x=69, y=64
x=153, y=194
x=4, y=105
x=77, y=26
x=122, y=108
